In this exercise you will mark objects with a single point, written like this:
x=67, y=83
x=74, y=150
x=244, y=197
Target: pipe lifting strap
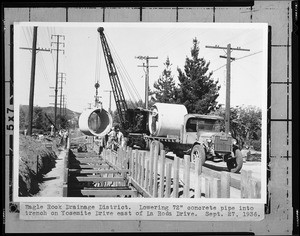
x=95, y=122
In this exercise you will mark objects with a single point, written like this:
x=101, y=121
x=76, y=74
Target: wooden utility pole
x=110, y=91
x=146, y=76
x=34, y=51
x=228, y=79
x=62, y=79
x=56, y=81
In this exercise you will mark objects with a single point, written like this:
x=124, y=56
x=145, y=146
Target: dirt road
x=53, y=181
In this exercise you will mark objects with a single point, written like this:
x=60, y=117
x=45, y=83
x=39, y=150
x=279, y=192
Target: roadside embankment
x=35, y=160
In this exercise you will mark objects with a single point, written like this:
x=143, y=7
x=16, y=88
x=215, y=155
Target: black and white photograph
x=155, y=111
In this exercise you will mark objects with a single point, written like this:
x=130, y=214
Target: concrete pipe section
x=95, y=122
x=166, y=119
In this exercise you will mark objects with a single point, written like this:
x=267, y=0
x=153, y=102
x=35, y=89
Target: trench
x=52, y=184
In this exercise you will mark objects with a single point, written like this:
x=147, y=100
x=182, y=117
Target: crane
x=132, y=120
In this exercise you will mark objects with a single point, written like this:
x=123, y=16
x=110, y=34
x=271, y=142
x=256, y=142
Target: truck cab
x=203, y=134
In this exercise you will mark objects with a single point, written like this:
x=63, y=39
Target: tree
x=197, y=90
x=245, y=123
x=165, y=88
x=22, y=119
x=39, y=121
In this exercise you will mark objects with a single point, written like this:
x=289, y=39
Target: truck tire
x=234, y=165
x=198, y=152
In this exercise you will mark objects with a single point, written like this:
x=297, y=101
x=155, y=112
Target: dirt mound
x=35, y=160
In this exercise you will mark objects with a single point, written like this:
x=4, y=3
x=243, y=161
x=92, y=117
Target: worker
x=115, y=138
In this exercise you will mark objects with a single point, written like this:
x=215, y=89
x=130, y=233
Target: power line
x=57, y=57
x=34, y=51
x=228, y=57
x=147, y=58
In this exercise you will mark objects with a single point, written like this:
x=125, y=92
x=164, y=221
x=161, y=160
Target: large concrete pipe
x=166, y=119
x=95, y=122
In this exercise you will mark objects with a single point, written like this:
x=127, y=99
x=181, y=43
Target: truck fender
x=197, y=142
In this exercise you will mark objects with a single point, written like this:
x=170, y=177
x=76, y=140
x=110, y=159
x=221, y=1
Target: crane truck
x=199, y=136
x=133, y=121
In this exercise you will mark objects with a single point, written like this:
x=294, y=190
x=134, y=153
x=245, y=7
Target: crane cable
x=128, y=84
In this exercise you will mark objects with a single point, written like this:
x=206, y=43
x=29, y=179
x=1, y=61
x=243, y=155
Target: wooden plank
x=108, y=193
x=109, y=188
x=90, y=160
x=65, y=190
x=133, y=163
x=225, y=184
x=176, y=177
x=216, y=188
x=207, y=187
x=143, y=170
x=198, y=171
x=168, y=180
x=98, y=171
x=90, y=166
x=255, y=186
x=147, y=173
x=151, y=170
x=139, y=188
x=66, y=174
x=162, y=173
x=155, y=169
x=245, y=186
x=186, y=189
x=136, y=166
x=99, y=179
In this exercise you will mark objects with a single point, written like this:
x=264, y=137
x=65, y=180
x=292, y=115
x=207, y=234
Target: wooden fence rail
x=152, y=176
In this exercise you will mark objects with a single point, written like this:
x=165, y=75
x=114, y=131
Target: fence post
x=198, y=172
x=208, y=186
x=151, y=170
x=168, y=180
x=136, y=167
x=133, y=156
x=245, y=183
x=255, y=188
x=176, y=177
x=225, y=184
x=162, y=173
x=142, y=169
x=186, y=190
x=147, y=175
x=216, y=188
x=155, y=167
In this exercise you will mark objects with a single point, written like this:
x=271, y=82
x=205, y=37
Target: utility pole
x=56, y=81
x=146, y=76
x=228, y=78
x=110, y=91
x=34, y=51
x=62, y=79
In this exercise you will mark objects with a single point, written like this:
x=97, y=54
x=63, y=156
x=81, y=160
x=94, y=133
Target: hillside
x=50, y=111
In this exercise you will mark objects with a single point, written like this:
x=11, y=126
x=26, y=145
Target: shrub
x=256, y=145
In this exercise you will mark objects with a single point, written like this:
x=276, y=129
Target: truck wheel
x=198, y=152
x=234, y=165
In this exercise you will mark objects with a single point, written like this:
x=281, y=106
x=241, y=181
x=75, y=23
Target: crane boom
x=114, y=80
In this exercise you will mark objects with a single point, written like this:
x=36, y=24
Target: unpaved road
x=53, y=181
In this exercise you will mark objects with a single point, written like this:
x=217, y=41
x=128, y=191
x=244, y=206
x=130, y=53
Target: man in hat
x=116, y=138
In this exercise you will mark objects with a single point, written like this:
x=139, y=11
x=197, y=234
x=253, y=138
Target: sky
x=83, y=63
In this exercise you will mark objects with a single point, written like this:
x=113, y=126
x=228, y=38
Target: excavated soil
x=35, y=161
